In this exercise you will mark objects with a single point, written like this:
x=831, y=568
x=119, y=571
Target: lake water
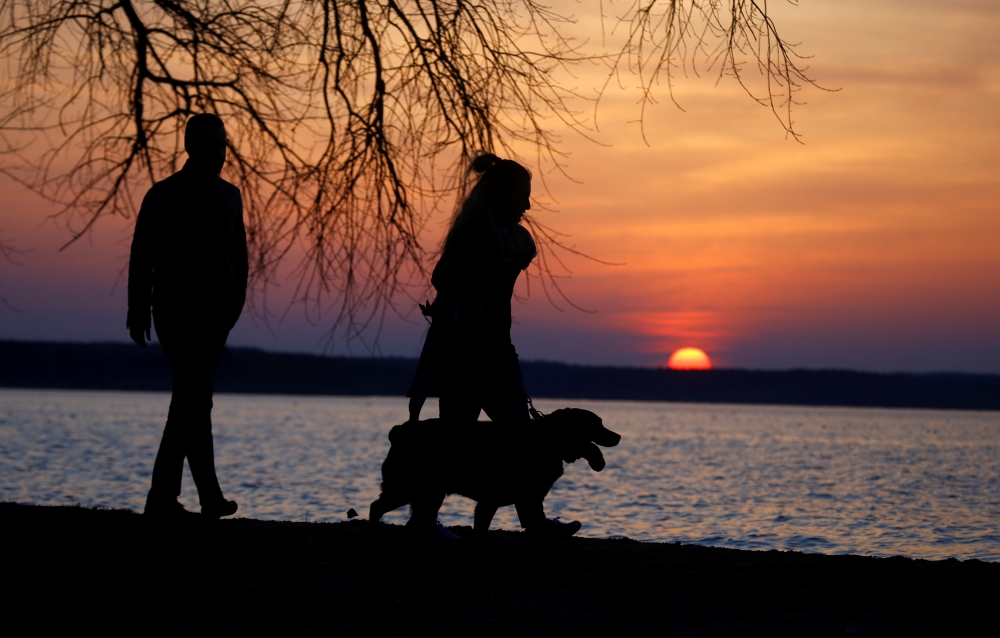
x=920, y=483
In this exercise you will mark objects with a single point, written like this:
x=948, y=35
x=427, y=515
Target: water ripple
x=924, y=484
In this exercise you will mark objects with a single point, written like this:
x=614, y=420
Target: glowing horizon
x=871, y=246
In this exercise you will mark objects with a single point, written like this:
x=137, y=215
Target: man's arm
x=241, y=261
x=140, y=274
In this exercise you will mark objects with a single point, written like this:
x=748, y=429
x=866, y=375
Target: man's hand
x=140, y=335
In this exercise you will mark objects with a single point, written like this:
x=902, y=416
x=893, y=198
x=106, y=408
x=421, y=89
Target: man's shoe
x=553, y=528
x=166, y=510
x=220, y=509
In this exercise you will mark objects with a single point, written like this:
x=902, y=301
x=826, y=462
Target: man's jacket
x=189, y=252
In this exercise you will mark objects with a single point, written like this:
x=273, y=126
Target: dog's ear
x=594, y=457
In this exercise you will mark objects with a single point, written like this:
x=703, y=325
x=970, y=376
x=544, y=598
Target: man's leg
x=169, y=464
x=193, y=359
x=200, y=445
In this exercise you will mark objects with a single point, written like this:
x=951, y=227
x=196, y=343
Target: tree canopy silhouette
x=348, y=119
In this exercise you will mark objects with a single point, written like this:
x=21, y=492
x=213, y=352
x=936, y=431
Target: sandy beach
x=77, y=570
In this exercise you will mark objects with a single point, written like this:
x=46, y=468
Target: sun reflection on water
x=833, y=480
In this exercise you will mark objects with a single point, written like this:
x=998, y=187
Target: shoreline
x=114, y=570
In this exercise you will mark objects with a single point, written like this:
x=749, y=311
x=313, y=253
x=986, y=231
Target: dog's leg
x=424, y=511
x=381, y=506
x=484, y=516
x=375, y=512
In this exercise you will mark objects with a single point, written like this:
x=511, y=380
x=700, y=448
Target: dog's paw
x=553, y=528
x=437, y=533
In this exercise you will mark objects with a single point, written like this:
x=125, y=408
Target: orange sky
x=875, y=245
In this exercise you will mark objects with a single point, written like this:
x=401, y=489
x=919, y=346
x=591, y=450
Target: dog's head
x=577, y=433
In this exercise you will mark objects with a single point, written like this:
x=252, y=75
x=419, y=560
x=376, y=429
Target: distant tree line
x=247, y=370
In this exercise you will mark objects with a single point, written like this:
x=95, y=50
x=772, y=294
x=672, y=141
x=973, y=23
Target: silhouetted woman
x=468, y=360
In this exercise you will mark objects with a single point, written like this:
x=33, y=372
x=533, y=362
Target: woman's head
x=501, y=193
x=505, y=186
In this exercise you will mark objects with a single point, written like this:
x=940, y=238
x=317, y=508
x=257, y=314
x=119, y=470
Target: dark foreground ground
x=73, y=570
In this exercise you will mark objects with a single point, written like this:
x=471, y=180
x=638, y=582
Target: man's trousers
x=193, y=351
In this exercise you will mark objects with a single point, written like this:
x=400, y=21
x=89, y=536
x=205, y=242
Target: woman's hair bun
x=484, y=161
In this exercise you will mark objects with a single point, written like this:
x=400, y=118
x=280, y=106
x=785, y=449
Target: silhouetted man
x=189, y=266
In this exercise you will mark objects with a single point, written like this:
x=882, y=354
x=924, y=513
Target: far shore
x=79, y=570
x=124, y=366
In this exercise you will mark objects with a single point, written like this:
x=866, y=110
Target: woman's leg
x=507, y=408
x=459, y=407
x=506, y=400
x=484, y=378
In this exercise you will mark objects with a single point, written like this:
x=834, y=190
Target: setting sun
x=689, y=359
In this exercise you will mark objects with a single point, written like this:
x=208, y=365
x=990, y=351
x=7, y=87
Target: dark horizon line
x=125, y=366
x=413, y=360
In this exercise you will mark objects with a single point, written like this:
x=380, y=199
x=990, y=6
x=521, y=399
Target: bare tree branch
x=666, y=37
x=8, y=248
x=349, y=119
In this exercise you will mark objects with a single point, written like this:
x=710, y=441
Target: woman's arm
x=455, y=273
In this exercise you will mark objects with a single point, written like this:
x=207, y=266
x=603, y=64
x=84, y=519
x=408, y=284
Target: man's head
x=205, y=142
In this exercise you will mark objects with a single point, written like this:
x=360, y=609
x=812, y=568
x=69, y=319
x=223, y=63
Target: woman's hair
x=495, y=176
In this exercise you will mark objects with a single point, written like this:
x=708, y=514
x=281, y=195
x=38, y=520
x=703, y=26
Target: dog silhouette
x=494, y=464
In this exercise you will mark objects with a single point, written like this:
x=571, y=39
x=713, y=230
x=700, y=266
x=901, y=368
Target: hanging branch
x=349, y=120
x=664, y=37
